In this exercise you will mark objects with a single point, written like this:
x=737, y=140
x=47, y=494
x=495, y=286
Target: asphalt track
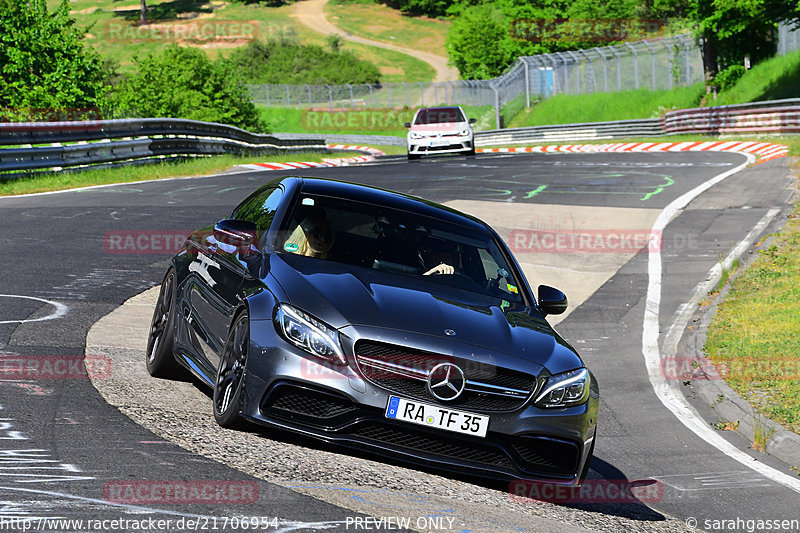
x=62, y=444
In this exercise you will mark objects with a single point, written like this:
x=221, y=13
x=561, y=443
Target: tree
x=183, y=83
x=43, y=61
x=733, y=29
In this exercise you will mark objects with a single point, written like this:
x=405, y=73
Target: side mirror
x=552, y=301
x=407, y=125
x=473, y=120
x=238, y=233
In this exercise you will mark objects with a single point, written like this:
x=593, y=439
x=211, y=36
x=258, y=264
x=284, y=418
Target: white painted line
x=60, y=309
x=667, y=391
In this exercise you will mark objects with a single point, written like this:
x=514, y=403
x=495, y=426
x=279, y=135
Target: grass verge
x=168, y=169
x=754, y=333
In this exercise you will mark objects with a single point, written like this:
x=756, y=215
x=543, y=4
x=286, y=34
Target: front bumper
x=288, y=389
x=445, y=145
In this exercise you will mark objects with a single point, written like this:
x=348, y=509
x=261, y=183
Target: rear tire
x=160, y=360
x=229, y=385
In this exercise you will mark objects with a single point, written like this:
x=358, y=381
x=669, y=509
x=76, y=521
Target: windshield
x=440, y=116
x=399, y=242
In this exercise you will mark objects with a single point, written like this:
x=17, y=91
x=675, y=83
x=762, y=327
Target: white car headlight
x=464, y=133
x=415, y=135
x=565, y=389
x=308, y=333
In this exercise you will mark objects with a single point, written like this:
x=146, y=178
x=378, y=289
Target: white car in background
x=440, y=130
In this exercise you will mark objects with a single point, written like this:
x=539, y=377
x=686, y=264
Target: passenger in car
x=313, y=237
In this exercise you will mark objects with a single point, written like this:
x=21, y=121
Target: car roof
x=391, y=199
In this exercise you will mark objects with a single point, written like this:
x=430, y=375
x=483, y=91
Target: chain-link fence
x=662, y=63
x=788, y=39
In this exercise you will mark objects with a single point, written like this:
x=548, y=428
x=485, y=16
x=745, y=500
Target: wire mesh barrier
x=656, y=64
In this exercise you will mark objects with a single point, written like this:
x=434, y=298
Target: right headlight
x=565, y=389
x=309, y=333
x=415, y=135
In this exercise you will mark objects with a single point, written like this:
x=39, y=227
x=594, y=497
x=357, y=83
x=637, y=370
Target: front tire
x=161, y=341
x=229, y=385
x=413, y=157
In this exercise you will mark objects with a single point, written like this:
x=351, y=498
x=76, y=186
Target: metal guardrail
x=775, y=116
x=571, y=132
x=100, y=142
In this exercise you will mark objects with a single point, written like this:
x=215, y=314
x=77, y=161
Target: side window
x=260, y=209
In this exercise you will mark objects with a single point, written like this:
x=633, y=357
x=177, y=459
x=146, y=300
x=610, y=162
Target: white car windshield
x=440, y=116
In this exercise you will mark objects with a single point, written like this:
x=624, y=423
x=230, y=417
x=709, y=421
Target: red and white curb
x=764, y=151
x=333, y=162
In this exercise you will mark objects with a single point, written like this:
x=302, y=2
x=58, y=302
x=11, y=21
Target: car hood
x=342, y=296
x=441, y=127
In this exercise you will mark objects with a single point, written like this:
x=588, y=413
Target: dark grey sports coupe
x=377, y=321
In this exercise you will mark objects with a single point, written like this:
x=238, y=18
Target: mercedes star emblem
x=446, y=381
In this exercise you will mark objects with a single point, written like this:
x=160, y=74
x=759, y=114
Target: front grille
x=546, y=455
x=404, y=371
x=434, y=444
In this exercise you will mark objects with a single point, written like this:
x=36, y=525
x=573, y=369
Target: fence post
x=389, y=86
x=652, y=62
x=421, y=94
x=605, y=69
x=371, y=105
x=310, y=102
x=288, y=98
x=266, y=89
x=496, y=106
x=352, y=104
x=527, y=83
x=405, y=88
x=435, y=93
x=635, y=64
x=330, y=95
x=670, y=61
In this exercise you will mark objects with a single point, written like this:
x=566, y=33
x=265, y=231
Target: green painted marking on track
x=669, y=181
x=536, y=191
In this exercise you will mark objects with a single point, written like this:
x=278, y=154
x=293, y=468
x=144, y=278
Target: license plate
x=440, y=142
x=437, y=417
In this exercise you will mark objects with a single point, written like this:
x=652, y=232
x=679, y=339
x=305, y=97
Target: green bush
x=184, y=83
x=285, y=61
x=725, y=79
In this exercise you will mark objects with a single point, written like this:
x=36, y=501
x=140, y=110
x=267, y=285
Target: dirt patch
x=127, y=8
x=87, y=11
x=217, y=44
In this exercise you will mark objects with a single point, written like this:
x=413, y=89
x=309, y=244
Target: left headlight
x=565, y=389
x=309, y=333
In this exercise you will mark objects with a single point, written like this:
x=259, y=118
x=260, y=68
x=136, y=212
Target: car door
x=219, y=272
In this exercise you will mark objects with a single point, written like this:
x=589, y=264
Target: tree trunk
x=143, y=13
x=710, y=67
